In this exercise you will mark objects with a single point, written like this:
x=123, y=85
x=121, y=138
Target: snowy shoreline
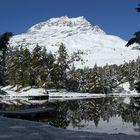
x=54, y=95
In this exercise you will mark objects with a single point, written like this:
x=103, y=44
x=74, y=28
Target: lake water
x=103, y=115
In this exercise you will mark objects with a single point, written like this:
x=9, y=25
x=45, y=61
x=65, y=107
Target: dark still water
x=103, y=115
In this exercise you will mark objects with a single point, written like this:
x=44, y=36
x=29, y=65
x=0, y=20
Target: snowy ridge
x=77, y=34
x=79, y=24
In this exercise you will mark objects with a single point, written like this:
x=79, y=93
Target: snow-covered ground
x=77, y=34
x=24, y=91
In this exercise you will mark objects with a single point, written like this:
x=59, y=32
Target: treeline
x=104, y=79
x=40, y=68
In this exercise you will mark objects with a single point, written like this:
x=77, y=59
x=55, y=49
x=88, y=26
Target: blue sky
x=117, y=17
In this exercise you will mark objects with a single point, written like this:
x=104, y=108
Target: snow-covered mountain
x=77, y=34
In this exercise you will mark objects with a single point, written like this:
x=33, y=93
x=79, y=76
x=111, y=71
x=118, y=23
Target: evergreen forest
x=40, y=68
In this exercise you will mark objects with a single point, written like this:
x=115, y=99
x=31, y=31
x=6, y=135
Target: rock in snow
x=77, y=34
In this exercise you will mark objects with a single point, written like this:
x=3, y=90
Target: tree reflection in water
x=74, y=112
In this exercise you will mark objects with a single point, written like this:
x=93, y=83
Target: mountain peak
x=78, y=23
x=79, y=36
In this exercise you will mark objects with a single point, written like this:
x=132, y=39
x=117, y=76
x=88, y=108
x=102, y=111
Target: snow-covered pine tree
x=83, y=79
x=131, y=73
x=109, y=79
x=43, y=70
x=35, y=66
x=14, y=67
x=25, y=67
x=138, y=67
x=55, y=75
x=4, y=40
x=62, y=61
x=1, y=69
x=72, y=83
x=94, y=83
x=49, y=64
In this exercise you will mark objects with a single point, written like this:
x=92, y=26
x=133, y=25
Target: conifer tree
x=43, y=69
x=83, y=79
x=131, y=73
x=35, y=67
x=72, y=83
x=55, y=75
x=13, y=67
x=62, y=61
x=94, y=84
x=4, y=40
x=25, y=67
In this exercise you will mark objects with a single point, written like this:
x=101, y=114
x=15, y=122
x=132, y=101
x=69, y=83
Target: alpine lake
x=102, y=115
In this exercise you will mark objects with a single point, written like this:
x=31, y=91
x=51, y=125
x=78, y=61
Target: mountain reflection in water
x=109, y=115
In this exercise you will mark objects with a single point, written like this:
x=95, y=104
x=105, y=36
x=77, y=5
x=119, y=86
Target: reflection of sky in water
x=115, y=125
